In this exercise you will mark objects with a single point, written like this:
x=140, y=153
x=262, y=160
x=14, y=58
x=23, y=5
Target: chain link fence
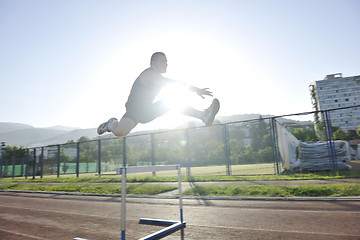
x=249, y=147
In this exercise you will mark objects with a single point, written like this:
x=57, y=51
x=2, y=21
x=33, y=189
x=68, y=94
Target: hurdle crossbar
x=174, y=225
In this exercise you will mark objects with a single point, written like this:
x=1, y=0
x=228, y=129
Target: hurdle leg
x=123, y=203
x=180, y=194
x=172, y=225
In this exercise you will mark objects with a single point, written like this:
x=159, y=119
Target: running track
x=49, y=216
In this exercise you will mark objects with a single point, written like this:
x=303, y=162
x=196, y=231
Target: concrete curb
x=198, y=197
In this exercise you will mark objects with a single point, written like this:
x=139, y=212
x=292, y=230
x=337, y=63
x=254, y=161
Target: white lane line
x=26, y=236
x=59, y=212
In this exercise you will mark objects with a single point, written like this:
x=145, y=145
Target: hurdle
x=172, y=225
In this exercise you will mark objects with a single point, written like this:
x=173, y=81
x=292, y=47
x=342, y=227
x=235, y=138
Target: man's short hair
x=155, y=56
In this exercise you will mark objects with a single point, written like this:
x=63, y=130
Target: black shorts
x=144, y=113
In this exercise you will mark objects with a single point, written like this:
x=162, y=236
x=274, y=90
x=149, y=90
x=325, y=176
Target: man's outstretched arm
x=201, y=91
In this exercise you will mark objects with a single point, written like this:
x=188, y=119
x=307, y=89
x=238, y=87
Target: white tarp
x=288, y=145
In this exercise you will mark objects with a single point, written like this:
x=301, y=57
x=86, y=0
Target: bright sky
x=72, y=63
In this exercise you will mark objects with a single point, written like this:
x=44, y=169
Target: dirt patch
x=355, y=165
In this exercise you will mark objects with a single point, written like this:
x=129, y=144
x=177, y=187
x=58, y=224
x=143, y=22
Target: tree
x=305, y=135
x=236, y=149
x=249, y=156
x=352, y=135
x=260, y=136
x=266, y=155
x=8, y=153
x=320, y=130
x=88, y=151
x=340, y=135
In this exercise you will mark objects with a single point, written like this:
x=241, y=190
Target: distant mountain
x=27, y=136
x=10, y=127
x=245, y=117
x=240, y=117
x=17, y=134
x=62, y=128
x=65, y=137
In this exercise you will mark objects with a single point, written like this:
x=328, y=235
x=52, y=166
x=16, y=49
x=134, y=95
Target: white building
x=338, y=92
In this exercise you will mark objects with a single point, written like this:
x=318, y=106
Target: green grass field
x=332, y=190
x=87, y=188
x=248, y=172
x=254, y=172
x=236, y=170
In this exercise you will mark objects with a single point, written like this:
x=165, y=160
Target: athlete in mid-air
x=141, y=108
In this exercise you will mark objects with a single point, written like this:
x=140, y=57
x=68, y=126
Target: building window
x=347, y=99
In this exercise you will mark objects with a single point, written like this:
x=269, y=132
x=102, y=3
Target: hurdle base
x=172, y=227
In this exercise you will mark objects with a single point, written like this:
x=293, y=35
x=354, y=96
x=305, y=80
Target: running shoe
x=211, y=112
x=104, y=127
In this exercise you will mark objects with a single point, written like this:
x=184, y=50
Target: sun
x=176, y=96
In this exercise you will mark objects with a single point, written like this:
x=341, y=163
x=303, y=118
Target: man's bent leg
x=211, y=112
x=104, y=127
x=192, y=112
x=123, y=127
x=206, y=116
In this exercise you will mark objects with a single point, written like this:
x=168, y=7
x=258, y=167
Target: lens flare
x=183, y=143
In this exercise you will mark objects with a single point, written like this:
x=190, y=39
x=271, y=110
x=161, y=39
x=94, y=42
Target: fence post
x=187, y=153
x=77, y=158
x=13, y=164
x=58, y=160
x=274, y=143
x=99, y=157
x=226, y=149
x=1, y=163
x=152, y=151
x=34, y=164
x=22, y=167
x=6, y=167
x=27, y=163
x=42, y=163
x=329, y=141
x=124, y=152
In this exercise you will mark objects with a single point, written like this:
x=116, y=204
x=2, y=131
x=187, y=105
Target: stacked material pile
x=310, y=156
x=315, y=156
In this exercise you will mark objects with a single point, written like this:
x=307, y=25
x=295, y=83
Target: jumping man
x=141, y=108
